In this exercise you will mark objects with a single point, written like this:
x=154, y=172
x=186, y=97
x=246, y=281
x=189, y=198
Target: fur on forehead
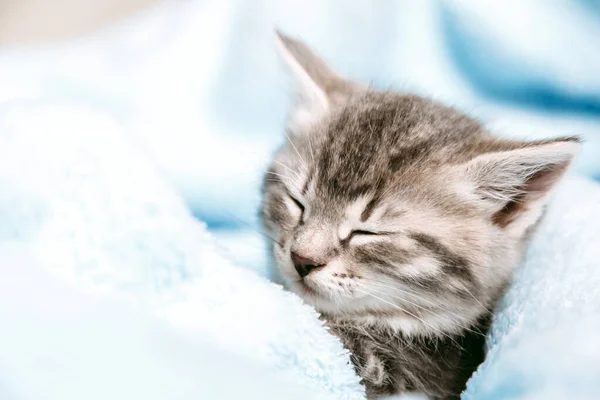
x=396, y=212
x=348, y=142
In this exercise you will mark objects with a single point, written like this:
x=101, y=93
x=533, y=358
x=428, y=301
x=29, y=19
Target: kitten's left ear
x=318, y=86
x=514, y=184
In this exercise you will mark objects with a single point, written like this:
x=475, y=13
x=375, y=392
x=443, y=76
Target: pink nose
x=304, y=265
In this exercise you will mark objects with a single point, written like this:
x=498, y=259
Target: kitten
x=401, y=221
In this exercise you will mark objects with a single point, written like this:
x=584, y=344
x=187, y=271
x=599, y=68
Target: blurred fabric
x=111, y=289
x=27, y=21
x=200, y=84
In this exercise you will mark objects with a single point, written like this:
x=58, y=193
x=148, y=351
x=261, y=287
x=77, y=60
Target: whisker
x=400, y=298
x=295, y=148
x=407, y=291
x=289, y=169
x=284, y=177
x=310, y=147
x=413, y=293
x=279, y=175
x=412, y=315
x=474, y=298
x=429, y=310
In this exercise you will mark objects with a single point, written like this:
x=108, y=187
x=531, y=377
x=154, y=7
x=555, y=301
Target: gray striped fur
x=416, y=216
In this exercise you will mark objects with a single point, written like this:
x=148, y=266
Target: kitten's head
x=390, y=206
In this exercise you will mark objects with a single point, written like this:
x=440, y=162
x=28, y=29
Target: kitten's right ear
x=318, y=86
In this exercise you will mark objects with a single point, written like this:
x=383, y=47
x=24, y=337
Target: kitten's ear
x=318, y=86
x=514, y=183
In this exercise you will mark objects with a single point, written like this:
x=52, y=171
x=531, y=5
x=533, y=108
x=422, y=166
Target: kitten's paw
x=373, y=370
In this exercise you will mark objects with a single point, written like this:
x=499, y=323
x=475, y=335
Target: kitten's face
x=383, y=205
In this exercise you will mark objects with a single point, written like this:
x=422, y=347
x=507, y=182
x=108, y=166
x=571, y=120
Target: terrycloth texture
x=91, y=210
x=58, y=344
x=82, y=200
x=544, y=342
x=197, y=86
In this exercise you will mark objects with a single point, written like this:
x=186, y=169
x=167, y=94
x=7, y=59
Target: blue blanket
x=107, y=142
x=111, y=289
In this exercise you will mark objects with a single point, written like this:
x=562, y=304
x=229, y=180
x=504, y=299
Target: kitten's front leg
x=378, y=380
x=372, y=369
x=370, y=366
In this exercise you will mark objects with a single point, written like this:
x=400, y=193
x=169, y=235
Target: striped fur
x=415, y=215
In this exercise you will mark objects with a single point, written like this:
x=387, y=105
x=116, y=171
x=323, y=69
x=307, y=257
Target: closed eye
x=363, y=233
x=366, y=235
x=297, y=202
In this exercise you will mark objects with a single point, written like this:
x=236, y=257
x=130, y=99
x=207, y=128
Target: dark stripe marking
x=368, y=210
x=452, y=263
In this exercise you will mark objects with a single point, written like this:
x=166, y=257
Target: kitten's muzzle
x=304, y=265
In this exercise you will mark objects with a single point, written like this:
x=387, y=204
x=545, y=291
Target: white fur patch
x=421, y=267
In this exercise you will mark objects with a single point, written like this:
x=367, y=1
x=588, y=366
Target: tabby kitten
x=401, y=221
